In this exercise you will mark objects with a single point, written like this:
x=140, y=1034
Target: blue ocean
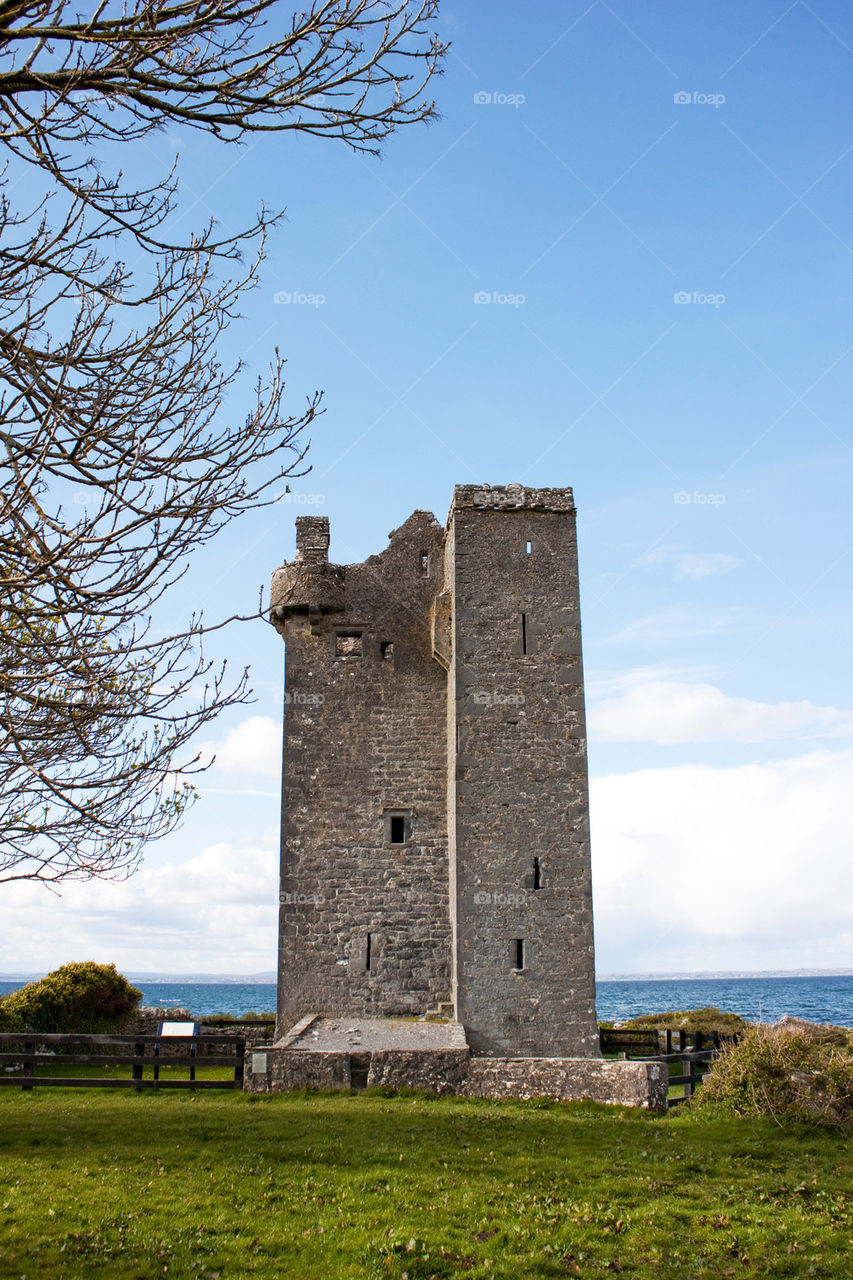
x=819, y=999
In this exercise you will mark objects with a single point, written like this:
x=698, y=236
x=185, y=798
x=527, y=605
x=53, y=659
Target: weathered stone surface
x=627, y=1084
x=435, y=844
x=519, y=830
x=287, y=1070
x=452, y=1070
x=440, y=1071
x=367, y=1034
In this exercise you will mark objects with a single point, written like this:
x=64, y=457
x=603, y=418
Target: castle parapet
x=308, y=584
x=509, y=497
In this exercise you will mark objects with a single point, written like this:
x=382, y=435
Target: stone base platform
x=401, y=1053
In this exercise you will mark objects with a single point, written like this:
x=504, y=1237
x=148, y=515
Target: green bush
x=83, y=997
x=710, y=1019
x=796, y=1072
x=251, y=1016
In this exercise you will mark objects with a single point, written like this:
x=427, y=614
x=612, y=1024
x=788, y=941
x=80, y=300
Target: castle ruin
x=435, y=860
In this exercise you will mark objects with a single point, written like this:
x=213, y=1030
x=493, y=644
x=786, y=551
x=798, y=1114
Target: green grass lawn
x=126, y=1185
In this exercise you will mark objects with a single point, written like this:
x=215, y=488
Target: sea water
x=818, y=999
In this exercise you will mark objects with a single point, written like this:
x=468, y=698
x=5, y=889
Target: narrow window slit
x=424, y=563
x=537, y=874
x=367, y=954
x=519, y=953
x=528, y=547
x=398, y=828
x=524, y=633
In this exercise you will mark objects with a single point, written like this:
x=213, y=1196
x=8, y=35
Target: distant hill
x=216, y=979
x=269, y=976
x=714, y=974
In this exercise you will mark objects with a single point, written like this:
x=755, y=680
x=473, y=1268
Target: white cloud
x=254, y=746
x=668, y=626
x=215, y=912
x=668, y=712
x=688, y=564
x=704, y=566
x=707, y=868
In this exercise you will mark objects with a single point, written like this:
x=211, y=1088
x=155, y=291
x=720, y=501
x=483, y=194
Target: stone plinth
x=341, y=1053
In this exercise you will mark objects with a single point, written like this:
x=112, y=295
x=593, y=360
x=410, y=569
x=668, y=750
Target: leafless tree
x=117, y=457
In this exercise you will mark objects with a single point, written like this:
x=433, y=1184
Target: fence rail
x=22, y=1049
x=695, y=1049
x=697, y=1067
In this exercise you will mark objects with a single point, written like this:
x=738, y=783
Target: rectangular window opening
x=528, y=547
x=348, y=644
x=398, y=828
x=519, y=953
x=386, y=650
x=424, y=564
x=537, y=874
x=367, y=954
x=524, y=633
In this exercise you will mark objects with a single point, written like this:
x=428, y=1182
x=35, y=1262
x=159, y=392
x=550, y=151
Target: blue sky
x=620, y=261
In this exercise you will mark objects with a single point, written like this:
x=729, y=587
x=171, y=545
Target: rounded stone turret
x=308, y=584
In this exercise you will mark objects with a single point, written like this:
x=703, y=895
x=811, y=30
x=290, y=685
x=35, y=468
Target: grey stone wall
x=454, y=1072
x=435, y=844
x=284, y=1071
x=626, y=1084
x=523, y=903
x=364, y=922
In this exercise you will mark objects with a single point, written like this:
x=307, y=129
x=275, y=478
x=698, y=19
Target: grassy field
x=222, y=1185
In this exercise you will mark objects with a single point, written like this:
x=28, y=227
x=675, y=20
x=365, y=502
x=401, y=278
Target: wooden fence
x=29, y=1051
x=696, y=1050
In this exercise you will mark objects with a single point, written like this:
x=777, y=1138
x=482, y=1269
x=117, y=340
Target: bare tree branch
x=111, y=389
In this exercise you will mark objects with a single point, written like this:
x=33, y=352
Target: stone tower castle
x=435, y=841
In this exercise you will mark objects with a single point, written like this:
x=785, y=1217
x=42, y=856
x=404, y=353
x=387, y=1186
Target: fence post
x=690, y=1073
x=29, y=1067
x=137, y=1068
x=240, y=1063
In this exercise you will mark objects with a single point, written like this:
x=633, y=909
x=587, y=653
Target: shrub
x=799, y=1071
x=251, y=1016
x=83, y=997
x=710, y=1019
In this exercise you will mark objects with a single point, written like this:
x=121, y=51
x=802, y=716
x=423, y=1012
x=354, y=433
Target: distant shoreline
x=269, y=979
x=715, y=975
